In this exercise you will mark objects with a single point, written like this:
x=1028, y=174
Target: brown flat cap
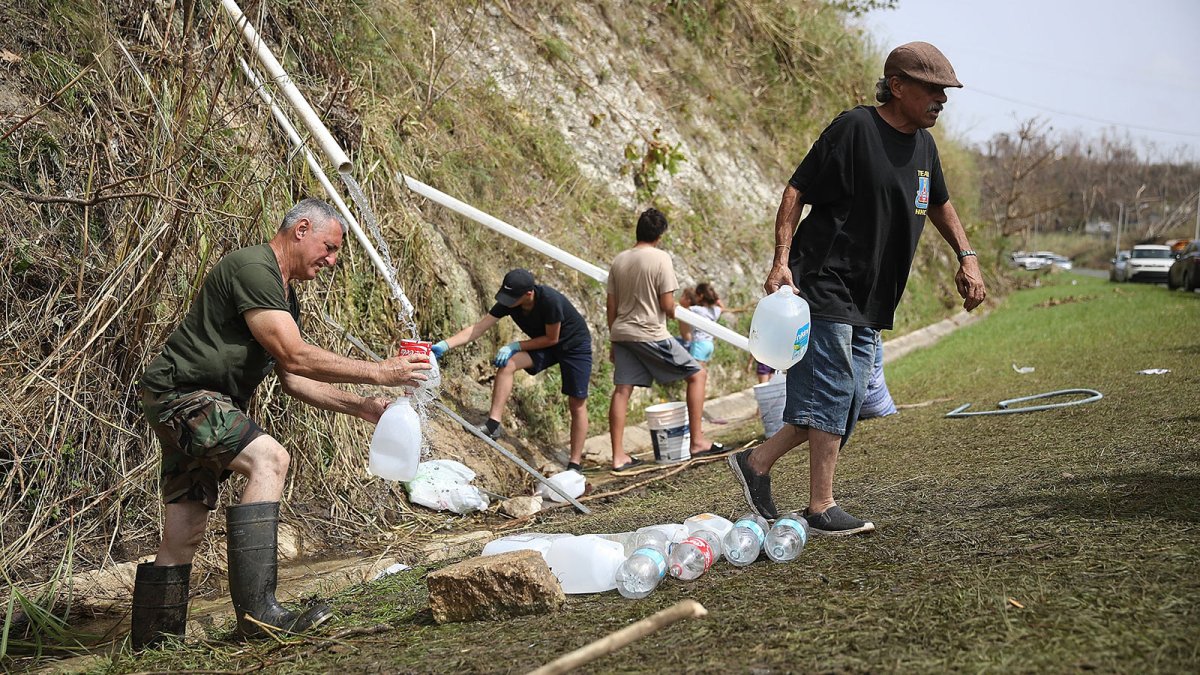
x=921, y=61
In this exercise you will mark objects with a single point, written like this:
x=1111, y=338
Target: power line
x=1190, y=134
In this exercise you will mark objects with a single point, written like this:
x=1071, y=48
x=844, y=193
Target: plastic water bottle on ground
x=641, y=573
x=396, y=443
x=674, y=532
x=786, y=540
x=779, y=330
x=694, y=555
x=745, y=540
x=655, y=539
x=713, y=523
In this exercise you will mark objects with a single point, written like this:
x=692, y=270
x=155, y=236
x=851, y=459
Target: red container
x=415, y=347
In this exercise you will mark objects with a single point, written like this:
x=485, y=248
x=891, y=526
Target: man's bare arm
x=790, y=207
x=472, y=332
x=328, y=397
x=969, y=278
x=280, y=336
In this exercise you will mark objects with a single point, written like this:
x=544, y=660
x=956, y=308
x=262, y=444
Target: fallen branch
x=685, y=609
x=95, y=199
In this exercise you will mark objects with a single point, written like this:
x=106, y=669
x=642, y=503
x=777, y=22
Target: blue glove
x=505, y=353
x=439, y=349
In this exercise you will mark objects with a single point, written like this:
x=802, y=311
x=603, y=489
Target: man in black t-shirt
x=871, y=178
x=558, y=335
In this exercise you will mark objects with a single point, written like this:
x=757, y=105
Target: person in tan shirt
x=641, y=297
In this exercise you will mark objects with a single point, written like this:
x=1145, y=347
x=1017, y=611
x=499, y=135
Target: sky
x=1086, y=65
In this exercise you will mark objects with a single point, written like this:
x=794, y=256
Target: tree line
x=1035, y=179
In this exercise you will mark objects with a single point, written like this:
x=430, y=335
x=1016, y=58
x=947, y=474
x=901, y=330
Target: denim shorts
x=826, y=388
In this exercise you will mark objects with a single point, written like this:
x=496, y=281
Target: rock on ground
x=494, y=587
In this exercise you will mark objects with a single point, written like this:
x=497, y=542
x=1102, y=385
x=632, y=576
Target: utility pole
x=1120, y=219
x=1197, y=237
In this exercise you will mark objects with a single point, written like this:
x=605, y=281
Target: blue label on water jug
x=795, y=525
x=753, y=527
x=657, y=557
x=801, y=342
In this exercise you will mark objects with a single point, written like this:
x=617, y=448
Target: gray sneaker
x=756, y=488
x=835, y=522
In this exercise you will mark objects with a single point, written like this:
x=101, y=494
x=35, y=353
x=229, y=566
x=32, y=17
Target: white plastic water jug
x=571, y=482
x=522, y=542
x=708, y=521
x=586, y=564
x=779, y=330
x=396, y=443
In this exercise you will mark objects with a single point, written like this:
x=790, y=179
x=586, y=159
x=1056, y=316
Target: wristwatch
x=966, y=252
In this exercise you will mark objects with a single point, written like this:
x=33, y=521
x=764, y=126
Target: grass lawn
x=1050, y=541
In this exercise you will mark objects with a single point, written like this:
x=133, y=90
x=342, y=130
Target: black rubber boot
x=253, y=571
x=160, y=604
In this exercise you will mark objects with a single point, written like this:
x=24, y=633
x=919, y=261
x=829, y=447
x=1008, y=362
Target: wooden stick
x=684, y=609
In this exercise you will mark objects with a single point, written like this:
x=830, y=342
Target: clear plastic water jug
x=779, y=330
x=396, y=443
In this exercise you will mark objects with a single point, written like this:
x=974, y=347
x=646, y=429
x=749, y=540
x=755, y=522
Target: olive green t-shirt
x=213, y=348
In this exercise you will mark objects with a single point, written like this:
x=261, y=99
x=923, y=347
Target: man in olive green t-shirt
x=243, y=324
x=641, y=297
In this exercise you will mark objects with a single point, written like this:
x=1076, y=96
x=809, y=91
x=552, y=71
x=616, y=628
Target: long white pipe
x=313, y=164
x=681, y=313
x=337, y=156
x=505, y=229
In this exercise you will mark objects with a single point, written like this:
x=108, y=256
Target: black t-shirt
x=550, y=307
x=869, y=186
x=213, y=347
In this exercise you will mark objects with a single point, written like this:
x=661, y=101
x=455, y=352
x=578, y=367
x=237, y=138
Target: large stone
x=520, y=507
x=494, y=587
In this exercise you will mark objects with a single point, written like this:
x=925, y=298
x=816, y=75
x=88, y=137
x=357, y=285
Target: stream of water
x=426, y=393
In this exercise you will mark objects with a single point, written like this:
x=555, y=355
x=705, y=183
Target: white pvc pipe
x=337, y=156
x=313, y=164
x=717, y=330
x=681, y=313
x=505, y=229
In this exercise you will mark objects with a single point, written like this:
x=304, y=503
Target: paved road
x=1099, y=274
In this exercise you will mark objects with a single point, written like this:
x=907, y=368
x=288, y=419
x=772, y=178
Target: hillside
x=136, y=154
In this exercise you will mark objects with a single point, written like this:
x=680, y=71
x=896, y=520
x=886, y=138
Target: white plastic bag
x=443, y=485
x=571, y=482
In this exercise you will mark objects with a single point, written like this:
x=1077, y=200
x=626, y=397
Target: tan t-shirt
x=637, y=278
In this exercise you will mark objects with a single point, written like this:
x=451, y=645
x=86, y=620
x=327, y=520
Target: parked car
x=1117, y=270
x=1028, y=261
x=1149, y=262
x=1051, y=258
x=1185, y=271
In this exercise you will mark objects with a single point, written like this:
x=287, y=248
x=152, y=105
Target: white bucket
x=669, y=432
x=771, y=397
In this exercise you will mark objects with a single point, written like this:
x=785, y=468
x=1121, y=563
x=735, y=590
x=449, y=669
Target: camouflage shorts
x=201, y=432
